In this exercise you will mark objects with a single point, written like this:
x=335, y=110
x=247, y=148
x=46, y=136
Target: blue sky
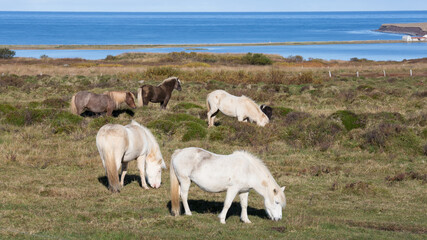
x=211, y=5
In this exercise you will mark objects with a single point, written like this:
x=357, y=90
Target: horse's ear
x=164, y=164
x=262, y=107
x=283, y=188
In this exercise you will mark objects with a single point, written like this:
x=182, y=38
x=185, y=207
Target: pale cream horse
x=119, y=97
x=118, y=145
x=242, y=107
x=236, y=173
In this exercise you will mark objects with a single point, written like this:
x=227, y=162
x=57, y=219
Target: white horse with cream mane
x=242, y=107
x=236, y=173
x=118, y=145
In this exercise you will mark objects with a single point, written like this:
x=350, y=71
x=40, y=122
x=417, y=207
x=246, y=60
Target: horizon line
x=70, y=11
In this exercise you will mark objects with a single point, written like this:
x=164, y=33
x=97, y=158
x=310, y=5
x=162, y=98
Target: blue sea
x=96, y=28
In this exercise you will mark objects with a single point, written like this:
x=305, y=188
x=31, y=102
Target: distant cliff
x=415, y=29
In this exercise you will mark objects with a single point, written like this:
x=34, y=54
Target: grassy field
x=351, y=151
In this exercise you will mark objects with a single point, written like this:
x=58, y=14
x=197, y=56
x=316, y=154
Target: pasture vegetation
x=351, y=151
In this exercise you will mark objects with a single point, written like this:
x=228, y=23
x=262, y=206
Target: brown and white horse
x=118, y=145
x=244, y=108
x=120, y=97
x=96, y=103
x=159, y=94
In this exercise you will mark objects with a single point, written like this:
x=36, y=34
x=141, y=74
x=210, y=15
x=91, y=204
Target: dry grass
x=363, y=181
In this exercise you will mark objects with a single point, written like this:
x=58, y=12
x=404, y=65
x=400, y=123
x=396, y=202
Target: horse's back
x=112, y=136
x=210, y=171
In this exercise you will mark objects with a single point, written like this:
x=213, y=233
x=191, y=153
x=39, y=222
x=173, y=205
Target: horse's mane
x=252, y=101
x=258, y=163
x=167, y=80
x=149, y=134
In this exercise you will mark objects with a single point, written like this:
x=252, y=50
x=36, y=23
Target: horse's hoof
x=188, y=214
x=222, y=221
x=246, y=221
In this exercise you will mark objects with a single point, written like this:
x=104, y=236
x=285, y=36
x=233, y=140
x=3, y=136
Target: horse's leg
x=145, y=101
x=244, y=205
x=165, y=102
x=141, y=166
x=231, y=194
x=211, y=115
x=124, y=171
x=184, y=184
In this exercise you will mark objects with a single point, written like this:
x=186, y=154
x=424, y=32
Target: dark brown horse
x=96, y=103
x=159, y=94
x=267, y=110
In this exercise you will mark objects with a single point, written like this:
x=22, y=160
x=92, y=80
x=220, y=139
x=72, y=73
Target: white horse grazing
x=236, y=173
x=118, y=145
x=242, y=107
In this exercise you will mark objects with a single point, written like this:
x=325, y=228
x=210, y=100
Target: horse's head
x=130, y=100
x=262, y=120
x=153, y=170
x=267, y=110
x=178, y=84
x=274, y=202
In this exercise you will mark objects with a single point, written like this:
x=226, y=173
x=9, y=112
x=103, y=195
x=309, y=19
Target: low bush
x=194, y=131
x=6, y=53
x=256, y=59
x=312, y=132
x=349, y=119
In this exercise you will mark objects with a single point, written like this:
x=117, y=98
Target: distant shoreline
x=416, y=29
x=136, y=46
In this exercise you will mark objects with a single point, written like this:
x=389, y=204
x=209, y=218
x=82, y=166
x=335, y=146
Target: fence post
x=410, y=72
x=330, y=74
x=384, y=73
x=357, y=74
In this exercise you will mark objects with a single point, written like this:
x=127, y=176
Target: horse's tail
x=73, y=105
x=175, y=207
x=111, y=170
x=139, y=99
x=208, y=106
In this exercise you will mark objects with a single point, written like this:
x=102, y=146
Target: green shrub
x=194, y=131
x=256, y=59
x=349, y=119
x=6, y=53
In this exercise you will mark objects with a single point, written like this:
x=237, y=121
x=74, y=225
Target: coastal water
x=33, y=28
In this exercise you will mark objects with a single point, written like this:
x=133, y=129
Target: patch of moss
x=182, y=117
x=55, y=103
x=34, y=104
x=6, y=108
x=282, y=111
x=186, y=105
x=165, y=126
x=194, y=131
x=26, y=116
x=349, y=119
x=97, y=123
x=220, y=133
